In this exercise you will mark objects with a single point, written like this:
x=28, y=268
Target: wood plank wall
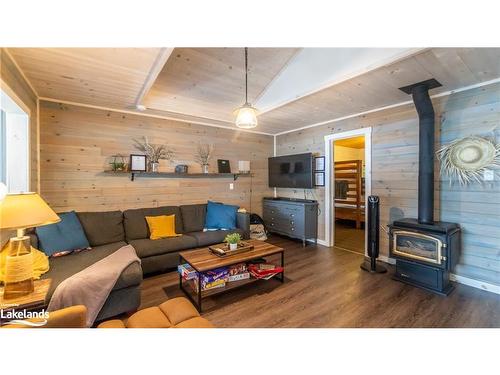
x=395, y=172
x=15, y=82
x=77, y=142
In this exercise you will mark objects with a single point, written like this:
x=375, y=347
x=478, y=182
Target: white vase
x=155, y=167
x=233, y=246
x=204, y=168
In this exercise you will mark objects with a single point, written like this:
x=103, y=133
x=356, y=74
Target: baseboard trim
x=322, y=242
x=386, y=259
x=476, y=283
x=457, y=278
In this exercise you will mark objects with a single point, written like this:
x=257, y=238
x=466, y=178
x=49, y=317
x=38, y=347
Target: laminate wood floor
x=348, y=237
x=325, y=287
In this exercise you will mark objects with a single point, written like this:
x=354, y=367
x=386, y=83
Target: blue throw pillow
x=220, y=216
x=64, y=236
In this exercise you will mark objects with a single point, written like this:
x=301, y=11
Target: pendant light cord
x=246, y=75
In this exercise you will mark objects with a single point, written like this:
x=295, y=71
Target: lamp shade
x=246, y=117
x=25, y=210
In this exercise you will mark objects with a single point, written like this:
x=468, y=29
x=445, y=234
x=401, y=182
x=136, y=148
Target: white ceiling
x=313, y=69
x=292, y=87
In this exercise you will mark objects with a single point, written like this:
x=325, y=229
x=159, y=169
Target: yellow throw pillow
x=161, y=226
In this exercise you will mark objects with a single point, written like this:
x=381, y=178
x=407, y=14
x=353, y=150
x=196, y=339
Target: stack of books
x=264, y=270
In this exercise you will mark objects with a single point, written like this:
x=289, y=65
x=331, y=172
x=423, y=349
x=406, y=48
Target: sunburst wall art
x=466, y=159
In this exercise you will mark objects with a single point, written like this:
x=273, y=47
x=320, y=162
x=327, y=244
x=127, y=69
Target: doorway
x=349, y=193
x=347, y=186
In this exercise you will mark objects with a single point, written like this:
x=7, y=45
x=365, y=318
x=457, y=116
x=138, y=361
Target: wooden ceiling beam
x=155, y=70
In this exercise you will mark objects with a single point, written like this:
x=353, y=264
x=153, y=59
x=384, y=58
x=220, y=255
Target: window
x=14, y=145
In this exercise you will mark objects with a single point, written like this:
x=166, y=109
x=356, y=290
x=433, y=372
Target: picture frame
x=138, y=163
x=319, y=164
x=319, y=178
x=223, y=166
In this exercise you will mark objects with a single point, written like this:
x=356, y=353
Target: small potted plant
x=233, y=239
x=118, y=164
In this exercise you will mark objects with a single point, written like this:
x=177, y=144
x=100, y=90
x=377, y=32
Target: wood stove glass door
x=417, y=246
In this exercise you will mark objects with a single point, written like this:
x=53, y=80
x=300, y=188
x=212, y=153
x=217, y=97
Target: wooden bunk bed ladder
x=351, y=171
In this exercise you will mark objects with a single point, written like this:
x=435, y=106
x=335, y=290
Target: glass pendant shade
x=246, y=117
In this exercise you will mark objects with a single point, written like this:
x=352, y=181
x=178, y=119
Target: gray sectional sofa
x=109, y=231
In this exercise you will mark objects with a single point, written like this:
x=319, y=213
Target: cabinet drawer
x=275, y=225
x=272, y=211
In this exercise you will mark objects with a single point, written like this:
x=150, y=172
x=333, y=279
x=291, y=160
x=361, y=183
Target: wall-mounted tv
x=291, y=171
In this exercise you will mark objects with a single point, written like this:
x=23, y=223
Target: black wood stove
x=426, y=251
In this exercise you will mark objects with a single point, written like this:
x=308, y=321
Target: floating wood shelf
x=133, y=175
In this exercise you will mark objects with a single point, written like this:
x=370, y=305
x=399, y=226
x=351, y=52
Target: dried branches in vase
x=154, y=152
x=203, y=154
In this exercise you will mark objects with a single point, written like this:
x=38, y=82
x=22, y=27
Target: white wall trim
x=445, y=93
x=151, y=115
x=322, y=242
x=329, y=178
x=476, y=283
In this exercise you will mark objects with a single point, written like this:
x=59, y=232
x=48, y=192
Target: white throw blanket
x=92, y=286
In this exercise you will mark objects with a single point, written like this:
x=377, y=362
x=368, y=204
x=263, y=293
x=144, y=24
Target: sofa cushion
x=212, y=237
x=197, y=322
x=64, y=236
x=162, y=226
x=146, y=247
x=102, y=228
x=152, y=317
x=193, y=217
x=220, y=216
x=178, y=310
x=136, y=226
x=63, y=267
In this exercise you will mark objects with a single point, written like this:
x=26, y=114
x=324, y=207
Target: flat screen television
x=291, y=171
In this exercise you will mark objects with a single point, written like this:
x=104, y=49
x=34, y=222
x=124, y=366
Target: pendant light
x=246, y=115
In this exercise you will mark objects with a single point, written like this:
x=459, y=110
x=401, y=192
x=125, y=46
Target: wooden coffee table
x=203, y=260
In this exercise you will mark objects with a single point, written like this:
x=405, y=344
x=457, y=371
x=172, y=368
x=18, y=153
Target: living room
x=225, y=186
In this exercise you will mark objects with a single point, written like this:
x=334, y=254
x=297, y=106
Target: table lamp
x=21, y=211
